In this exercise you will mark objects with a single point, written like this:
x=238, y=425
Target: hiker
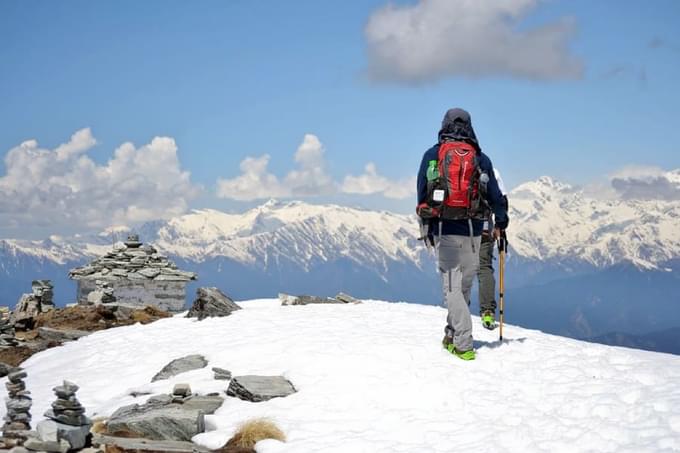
x=455, y=184
x=485, y=276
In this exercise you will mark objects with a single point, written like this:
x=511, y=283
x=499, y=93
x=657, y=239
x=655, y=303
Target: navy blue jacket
x=494, y=196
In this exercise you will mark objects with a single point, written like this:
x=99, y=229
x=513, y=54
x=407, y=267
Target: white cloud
x=310, y=178
x=646, y=183
x=370, y=182
x=434, y=39
x=64, y=187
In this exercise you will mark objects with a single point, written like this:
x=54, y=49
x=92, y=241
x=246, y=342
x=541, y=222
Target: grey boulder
x=211, y=302
x=260, y=388
x=162, y=420
x=177, y=366
x=52, y=431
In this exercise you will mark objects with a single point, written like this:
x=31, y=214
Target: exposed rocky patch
x=341, y=298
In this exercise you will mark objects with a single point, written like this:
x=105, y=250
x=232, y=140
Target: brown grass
x=14, y=356
x=80, y=317
x=251, y=432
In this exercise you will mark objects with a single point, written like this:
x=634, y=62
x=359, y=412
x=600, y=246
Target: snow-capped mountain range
x=550, y=220
x=556, y=232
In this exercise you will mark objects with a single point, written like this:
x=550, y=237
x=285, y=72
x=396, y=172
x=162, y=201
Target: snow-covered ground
x=374, y=378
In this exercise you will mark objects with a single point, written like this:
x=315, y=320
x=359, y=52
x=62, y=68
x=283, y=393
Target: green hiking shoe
x=446, y=341
x=488, y=320
x=465, y=355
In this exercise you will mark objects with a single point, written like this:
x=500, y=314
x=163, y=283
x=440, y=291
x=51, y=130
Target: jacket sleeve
x=421, y=181
x=494, y=196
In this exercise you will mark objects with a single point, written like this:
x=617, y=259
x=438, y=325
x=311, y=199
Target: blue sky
x=230, y=80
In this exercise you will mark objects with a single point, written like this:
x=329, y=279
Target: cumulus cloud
x=309, y=178
x=65, y=187
x=370, y=182
x=434, y=39
x=647, y=183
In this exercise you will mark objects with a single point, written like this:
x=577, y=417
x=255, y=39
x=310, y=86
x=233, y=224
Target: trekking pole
x=502, y=249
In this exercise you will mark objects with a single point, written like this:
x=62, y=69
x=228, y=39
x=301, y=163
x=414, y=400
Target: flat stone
x=50, y=334
x=73, y=421
x=19, y=405
x=211, y=302
x=19, y=450
x=76, y=436
x=221, y=374
x=61, y=446
x=260, y=388
x=347, y=299
x=177, y=366
x=170, y=422
x=287, y=299
x=181, y=390
x=5, y=369
x=15, y=387
x=16, y=376
x=149, y=272
x=132, y=445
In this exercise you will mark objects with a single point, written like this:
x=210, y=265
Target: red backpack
x=455, y=194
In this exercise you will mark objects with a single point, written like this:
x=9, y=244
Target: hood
x=457, y=125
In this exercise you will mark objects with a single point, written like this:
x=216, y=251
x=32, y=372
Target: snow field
x=374, y=378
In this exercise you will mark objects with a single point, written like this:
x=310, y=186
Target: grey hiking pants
x=458, y=264
x=487, y=282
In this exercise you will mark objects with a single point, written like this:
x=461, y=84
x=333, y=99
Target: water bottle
x=432, y=171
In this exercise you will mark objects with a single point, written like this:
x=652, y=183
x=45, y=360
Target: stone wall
x=165, y=294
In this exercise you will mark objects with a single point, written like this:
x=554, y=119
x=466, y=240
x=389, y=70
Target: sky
x=123, y=112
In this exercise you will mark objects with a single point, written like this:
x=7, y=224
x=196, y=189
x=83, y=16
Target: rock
x=170, y=422
x=260, y=388
x=177, y=366
x=50, y=334
x=221, y=374
x=16, y=376
x=211, y=302
x=287, y=299
x=5, y=369
x=347, y=299
x=26, y=311
x=181, y=390
x=61, y=446
x=19, y=450
x=76, y=436
x=133, y=445
x=149, y=272
x=73, y=420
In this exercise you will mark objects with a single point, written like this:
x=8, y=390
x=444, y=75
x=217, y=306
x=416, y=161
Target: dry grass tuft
x=253, y=431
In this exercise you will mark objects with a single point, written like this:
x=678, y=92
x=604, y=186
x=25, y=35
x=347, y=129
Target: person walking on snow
x=485, y=276
x=455, y=185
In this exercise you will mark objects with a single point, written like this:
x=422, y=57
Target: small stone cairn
x=132, y=260
x=7, y=333
x=31, y=305
x=66, y=427
x=18, y=418
x=103, y=294
x=67, y=409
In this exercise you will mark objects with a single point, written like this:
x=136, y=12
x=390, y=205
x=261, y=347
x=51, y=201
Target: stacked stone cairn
x=102, y=295
x=66, y=427
x=7, y=333
x=132, y=260
x=31, y=305
x=18, y=418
